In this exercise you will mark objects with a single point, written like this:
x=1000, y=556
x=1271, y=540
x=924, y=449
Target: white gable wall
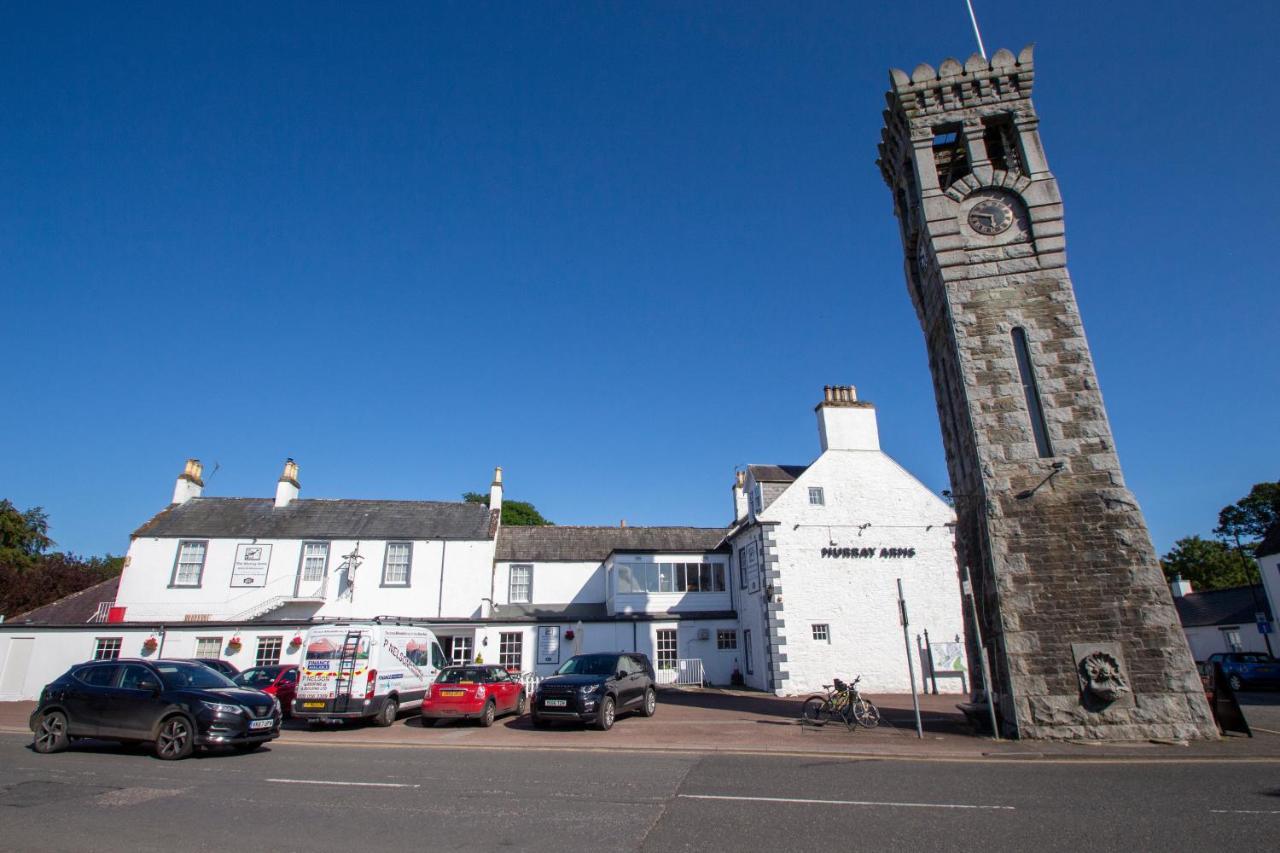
x=857, y=597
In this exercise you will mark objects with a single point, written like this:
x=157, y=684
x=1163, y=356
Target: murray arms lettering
x=864, y=553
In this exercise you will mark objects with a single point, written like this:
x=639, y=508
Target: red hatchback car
x=473, y=692
x=280, y=681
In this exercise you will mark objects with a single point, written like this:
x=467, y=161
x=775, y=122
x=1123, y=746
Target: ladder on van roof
x=346, y=671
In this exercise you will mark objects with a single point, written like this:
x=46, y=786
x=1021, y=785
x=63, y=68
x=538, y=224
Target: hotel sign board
x=549, y=644
x=252, y=562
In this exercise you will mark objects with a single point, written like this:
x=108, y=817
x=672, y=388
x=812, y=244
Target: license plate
x=261, y=724
x=313, y=704
x=453, y=693
x=556, y=703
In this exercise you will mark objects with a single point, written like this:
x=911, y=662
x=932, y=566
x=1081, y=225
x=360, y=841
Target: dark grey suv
x=175, y=705
x=596, y=688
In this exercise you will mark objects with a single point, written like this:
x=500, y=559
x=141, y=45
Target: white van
x=352, y=670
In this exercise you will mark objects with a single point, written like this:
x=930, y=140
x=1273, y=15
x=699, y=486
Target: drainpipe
x=440, y=601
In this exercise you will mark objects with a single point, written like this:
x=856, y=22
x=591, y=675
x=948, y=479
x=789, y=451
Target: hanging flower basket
x=234, y=645
x=568, y=635
x=296, y=641
x=149, y=645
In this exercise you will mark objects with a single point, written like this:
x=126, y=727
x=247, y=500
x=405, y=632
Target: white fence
x=686, y=671
x=529, y=680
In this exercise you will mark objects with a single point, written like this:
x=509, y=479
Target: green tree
x=514, y=513
x=23, y=535
x=1246, y=521
x=1207, y=563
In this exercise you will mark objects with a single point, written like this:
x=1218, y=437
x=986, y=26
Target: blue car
x=1245, y=670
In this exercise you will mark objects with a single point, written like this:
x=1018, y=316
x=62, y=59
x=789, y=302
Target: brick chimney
x=495, y=490
x=189, y=484
x=288, y=487
x=740, y=496
x=845, y=422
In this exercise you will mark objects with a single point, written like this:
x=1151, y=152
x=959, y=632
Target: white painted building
x=799, y=589
x=1222, y=620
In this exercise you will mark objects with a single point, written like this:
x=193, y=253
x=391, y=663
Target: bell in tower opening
x=1077, y=622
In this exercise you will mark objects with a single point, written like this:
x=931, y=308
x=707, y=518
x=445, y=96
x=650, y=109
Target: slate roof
x=594, y=544
x=74, y=609
x=776, y=473
x=1238, y=605
x=596, y=612
x=1270, y=543
x=321, y=519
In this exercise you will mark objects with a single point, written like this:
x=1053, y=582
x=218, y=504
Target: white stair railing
x=682, y=671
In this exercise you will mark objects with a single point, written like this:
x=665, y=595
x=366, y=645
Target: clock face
x=990, y=217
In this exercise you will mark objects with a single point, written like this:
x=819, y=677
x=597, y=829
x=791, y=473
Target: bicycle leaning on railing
x=841, y=702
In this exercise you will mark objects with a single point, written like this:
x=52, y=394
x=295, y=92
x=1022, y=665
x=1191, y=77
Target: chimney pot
x=189, y=484
x=288, y=487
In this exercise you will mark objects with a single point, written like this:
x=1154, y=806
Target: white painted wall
x=1210, y=639
x=554, y=583
x=748, y=599
x=54, y=652
x=447, y=578
x=857, y=597
x=1269, y=568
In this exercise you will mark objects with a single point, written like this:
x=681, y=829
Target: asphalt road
x=357, y=798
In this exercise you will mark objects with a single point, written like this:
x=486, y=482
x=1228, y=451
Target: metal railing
x=682, y=671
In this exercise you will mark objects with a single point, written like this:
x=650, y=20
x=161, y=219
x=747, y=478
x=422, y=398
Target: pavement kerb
x=835, y=755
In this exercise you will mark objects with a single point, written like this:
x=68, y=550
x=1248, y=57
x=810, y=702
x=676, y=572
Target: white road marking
x=340, y=782
x=1243, y=811
x=844, y=802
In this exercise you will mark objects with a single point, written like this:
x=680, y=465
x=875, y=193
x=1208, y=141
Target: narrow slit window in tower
x=1034, y=408
x=949, y=155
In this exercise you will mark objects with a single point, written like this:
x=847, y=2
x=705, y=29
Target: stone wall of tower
x=1067, y=580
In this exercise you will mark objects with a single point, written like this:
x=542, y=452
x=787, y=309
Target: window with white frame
x=461, y=651
x=107, y=648
x=757, y=500
x=742, y=568
x=396, y=565
x=1232, y=637
x=666, y=648
x=670, y=577
x=208, y=647
x=268, y=651
x=188, y=568
x=822, y=632
x=520, y=586
x=315, y=560
x=511, y=650
x=726, y=638
x=816, y=497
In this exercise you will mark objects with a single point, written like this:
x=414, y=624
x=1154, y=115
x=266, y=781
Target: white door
x=16, y=664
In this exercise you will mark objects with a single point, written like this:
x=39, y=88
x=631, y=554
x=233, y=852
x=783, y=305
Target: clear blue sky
x=616, y=248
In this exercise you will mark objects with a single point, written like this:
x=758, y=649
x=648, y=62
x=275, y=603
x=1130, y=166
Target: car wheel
x=650, y=705
x=488, y=714
x=51, y=734
x=522, y=704
x=541, y=722
x=1236, y=682
x=387, y=716
x=604, y=717
x=176, y=739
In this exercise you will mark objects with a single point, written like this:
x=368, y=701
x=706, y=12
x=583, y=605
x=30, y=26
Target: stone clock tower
x=1079, y=626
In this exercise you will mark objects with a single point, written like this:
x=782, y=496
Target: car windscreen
x=457, y=676
x=257, y=678
x=589, y=665
x=177, y=676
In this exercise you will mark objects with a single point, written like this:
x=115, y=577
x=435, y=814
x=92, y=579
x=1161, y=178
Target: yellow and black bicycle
x=841, y=702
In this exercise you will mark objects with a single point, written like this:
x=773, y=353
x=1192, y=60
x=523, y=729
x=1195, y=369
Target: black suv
x=595, y=689
x=176, y=705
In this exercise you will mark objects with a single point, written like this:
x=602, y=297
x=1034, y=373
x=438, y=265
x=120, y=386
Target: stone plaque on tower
x=1080, y=627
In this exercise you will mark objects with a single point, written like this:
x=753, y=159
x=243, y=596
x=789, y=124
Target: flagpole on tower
x=976, y=32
